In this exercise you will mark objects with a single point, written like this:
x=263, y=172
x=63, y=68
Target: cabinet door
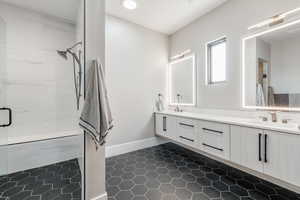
x=164, y=125
x=283, y=157
x=246, y=147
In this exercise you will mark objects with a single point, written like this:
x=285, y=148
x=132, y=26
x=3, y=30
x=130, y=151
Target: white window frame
x=209, y=46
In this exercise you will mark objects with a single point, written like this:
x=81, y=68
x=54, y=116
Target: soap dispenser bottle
x=160, y=103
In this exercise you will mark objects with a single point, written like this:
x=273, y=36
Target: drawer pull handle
x=9, y=117
x=186, y=139
x=188, y=125
x=207, y=129
x=165, y=124
x=259, y=147
x=266, y=148
x=212, y=147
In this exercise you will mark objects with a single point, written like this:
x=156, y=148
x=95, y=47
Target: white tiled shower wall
x=38, y=84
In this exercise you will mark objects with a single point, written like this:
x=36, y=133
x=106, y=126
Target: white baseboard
x=101, y=197
x=119, y=149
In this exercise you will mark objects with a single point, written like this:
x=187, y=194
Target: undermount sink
x=289, y=125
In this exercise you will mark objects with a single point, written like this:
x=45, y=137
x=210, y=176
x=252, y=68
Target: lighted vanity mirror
x=271, y=68
x=182, y=81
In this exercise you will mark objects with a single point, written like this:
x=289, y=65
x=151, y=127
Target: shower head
x=63, y=54
x=77, y=71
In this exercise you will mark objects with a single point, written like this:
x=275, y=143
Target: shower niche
x=41, y=92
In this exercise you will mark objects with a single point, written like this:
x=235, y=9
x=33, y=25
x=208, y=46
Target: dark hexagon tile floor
x=170, y=172
x=61, y=181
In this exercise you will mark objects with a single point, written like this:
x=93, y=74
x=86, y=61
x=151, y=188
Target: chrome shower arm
x=75, y=45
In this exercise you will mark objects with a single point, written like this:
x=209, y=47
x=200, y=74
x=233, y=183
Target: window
x=216, y=61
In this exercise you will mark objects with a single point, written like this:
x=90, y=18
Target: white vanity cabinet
x=214, y=138
x=165, y=126
x=246, y=147
x=283, y=156
x=210, y=137
x=186, y=131
x=272, y=153
x=175, y=128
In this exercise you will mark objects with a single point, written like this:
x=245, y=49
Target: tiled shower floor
x=61, y=181
x=170, y=172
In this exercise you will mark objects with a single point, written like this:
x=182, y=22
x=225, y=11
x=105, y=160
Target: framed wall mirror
x=271, y=68
x=182, y=81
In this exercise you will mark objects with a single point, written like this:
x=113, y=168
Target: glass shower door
x=3, y=112
x=5, y=121
x=42, y=149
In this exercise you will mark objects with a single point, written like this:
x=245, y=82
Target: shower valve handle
x=9, y=117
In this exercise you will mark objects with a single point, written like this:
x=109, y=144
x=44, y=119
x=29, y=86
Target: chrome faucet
x=263, y=118
x=273, y=116
x=286, y=121
x=177, y=109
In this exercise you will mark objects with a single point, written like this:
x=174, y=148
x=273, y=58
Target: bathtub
x=28, y=152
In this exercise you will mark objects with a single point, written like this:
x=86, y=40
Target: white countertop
x=248, y=122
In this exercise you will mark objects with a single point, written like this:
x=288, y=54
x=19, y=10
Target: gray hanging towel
x=96, y=118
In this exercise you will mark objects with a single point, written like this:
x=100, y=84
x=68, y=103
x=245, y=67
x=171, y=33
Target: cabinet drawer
x=214, y=138
x=187, y=131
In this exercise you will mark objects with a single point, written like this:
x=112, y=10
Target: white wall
x=136, y=60
x=3, y=60
x=250, y=70
x=95, y=48
x=37, y=83
x=263, y=50
x=231, y=19
x=285, y=66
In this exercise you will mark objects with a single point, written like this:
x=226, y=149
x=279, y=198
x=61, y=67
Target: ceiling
x=165, y=16
x=64, y=9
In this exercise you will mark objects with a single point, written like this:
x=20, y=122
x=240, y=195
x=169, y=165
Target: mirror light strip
x=274, y=19
x=181, y=55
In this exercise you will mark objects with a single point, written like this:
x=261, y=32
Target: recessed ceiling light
x=129, y=4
